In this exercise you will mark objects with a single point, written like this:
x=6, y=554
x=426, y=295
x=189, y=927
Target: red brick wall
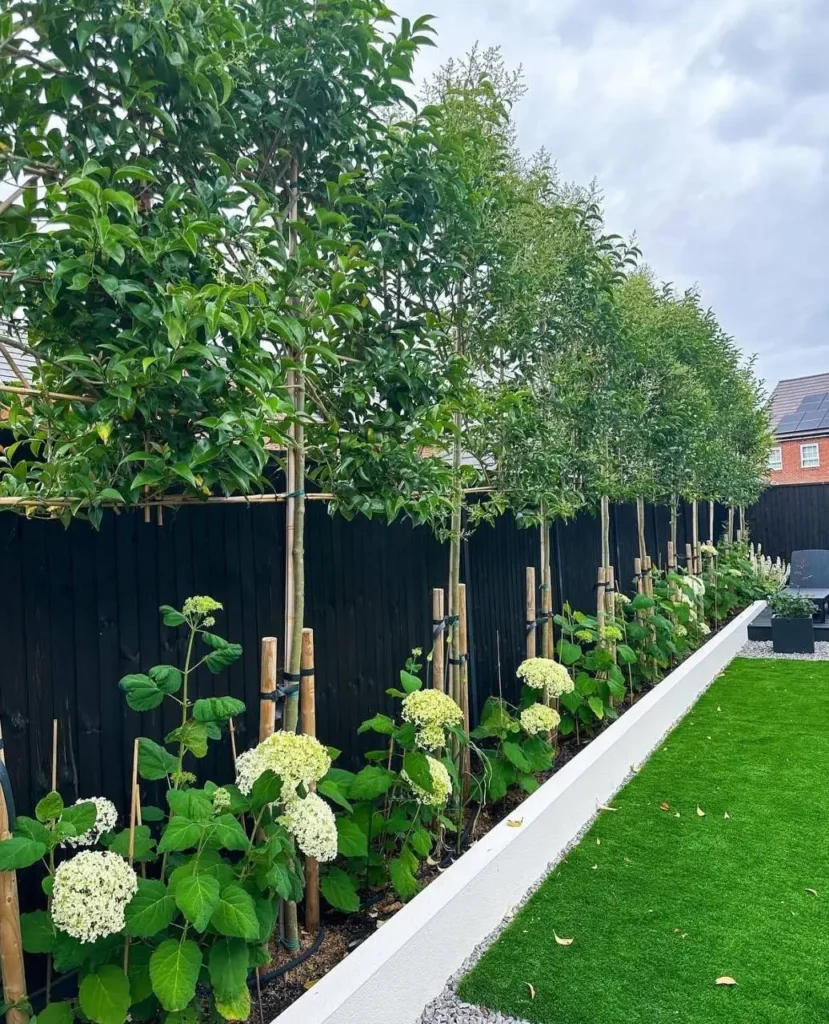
x=792, y=473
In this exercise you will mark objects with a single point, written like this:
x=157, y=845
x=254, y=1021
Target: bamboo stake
x=12, y=970
x=463, y=637
x=439, y=644
x=231, y=728
x=637, y=572
x=267, y=685
x=133, y=811
x=308, y=724
x=531, y=612
x=17, y=389
x=548, y=644
x=689, y=559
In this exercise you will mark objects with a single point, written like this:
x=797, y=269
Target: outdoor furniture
x=810, y=576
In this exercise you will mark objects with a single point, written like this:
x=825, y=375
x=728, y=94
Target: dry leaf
x=677, y=931
x=604, y=807
x=515, y=822
x=664, y=806
x=532, y=990
x=700, y=812
x=310, y=983
x=725, y=980
x=561, y=941
x=812, y=892
x=727, y=816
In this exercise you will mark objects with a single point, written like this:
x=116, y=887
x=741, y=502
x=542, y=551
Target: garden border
x=392, y=976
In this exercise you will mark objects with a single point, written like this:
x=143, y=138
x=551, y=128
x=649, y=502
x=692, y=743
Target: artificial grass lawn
x=660, y=906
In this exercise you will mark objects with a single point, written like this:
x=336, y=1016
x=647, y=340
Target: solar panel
x=789, y=424
x=812, y=400
x=810, y=422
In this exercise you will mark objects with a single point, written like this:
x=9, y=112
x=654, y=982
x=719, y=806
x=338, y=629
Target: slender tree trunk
x=711, y=522
x=640, y=527
x=547, y=637
x=673, y=513
x=730, y=524
x=295, y=545
x=605, y=517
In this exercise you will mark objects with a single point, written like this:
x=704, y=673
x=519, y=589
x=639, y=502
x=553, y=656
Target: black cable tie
x=452, y=619
x=459, y=661
x=438, y=626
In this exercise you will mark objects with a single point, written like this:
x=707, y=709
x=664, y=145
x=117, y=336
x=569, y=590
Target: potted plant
x=792, y=628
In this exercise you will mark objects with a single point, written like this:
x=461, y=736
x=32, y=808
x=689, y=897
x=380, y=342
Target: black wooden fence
x=79, y=609
x=791, y=517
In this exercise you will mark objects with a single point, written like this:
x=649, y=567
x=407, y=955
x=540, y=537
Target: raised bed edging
x=395, y=973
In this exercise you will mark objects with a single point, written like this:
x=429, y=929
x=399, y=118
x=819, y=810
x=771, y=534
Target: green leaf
x=409, y=682
x=194, y=804
x=421, y=842
x=596, y=706
x=340, y=891
x=402, y=879
x=50, y=807
x=279, y=879
x=154, y=762
x=225, y=833
x=32, y=830
x=328, y=788
x=224, y=656
x=217, y=709
x=171, y=616
x=351, y=840
x=515, y=755
x=150, y=910
x=235, y=914
x=380, y=723
x=416, y=766
x=180, y=834
x=193, y=736
x=569, y=652
x=266, y=790
x=237, y=1008
x=539, y=753
x=105, y=995
x=38, y=932
x=197, y=897
x=174, y=971
x=227, y=964
x=20, y=852
x=78, y=819
x=144, y=844
x=56, y=1013
x=371, y=782
x=626, y=654
x=527, y=782
x=143, y=693
x=152, y=813
x=167, y=678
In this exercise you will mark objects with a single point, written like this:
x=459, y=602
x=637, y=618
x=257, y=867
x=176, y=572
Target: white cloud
x=705, y=125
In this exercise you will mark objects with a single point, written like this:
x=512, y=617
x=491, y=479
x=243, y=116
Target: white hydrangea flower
x=91, y=893
x=539, y=718
x=709, y=549
x=295, y=758
x=545, y=674
x=441, y=785
x=432, y=712
x=620, y=598
x=703, y=627
x=106, y=818
x=680, y=630
x=221, y=800
x=696, y=585
x=312, y=824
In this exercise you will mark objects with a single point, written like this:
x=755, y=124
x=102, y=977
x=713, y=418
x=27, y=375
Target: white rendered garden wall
x=396, y=972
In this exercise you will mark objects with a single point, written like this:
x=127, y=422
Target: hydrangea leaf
x=196, y=897
x=174, y=971
x=150, y=911
x=235, y=914
x=105, y=995
x=340, y=891
x=227, y=964
x=154, y=762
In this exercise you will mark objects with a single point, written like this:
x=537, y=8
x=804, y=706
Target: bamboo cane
x=131, y=846
x=231, y=728
x=531, y=612
x=308, y=721
x=439, y=644
x=463, y=636
x=689, y=558
x=12, y=970
x=267, y=686
x=637, y=573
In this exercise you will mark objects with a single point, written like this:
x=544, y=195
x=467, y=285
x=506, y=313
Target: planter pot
x=793, y=636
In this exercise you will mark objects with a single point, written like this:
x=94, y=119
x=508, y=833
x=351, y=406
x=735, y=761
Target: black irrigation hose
x=264, y=979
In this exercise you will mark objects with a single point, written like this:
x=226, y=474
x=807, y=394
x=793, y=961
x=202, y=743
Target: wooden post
x=11, y=943
x=308, y=725
x=637, y=572
x=464, y=674
x=439, y=644
x=531, y=612
x=671, y=557
x=697, y=559
x=267, y=684
x=689, y=558
x=647, y=567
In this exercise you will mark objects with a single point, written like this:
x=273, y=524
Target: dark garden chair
x=810, y=576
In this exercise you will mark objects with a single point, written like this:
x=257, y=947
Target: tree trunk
x=711, y=522
x=674, y=504
x=640, y=527
x=605, y=517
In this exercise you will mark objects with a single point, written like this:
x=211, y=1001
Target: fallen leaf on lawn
x=515, y=822
x=727, y=816
x=719, y=709
x=561, y=941
x=700, y=812
x=664, y=806
x=532, y=990
x=725, y=980
x=604, y=807
x=595, y=867
x=677, y=931
x=813, y=892
x=677, y=815
x=598, y=842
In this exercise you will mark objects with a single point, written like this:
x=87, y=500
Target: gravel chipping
x=763, y=649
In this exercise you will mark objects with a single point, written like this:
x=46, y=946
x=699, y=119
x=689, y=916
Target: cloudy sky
x=705, y=122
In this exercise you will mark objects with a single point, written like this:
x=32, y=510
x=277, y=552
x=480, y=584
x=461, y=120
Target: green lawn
x=660, y=906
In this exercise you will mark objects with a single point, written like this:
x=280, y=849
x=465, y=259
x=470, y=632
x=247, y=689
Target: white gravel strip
x=764, y=649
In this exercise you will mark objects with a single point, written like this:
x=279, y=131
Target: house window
x=809, y=456
x=776, y=458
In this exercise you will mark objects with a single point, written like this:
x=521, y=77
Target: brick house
x=800, y=422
